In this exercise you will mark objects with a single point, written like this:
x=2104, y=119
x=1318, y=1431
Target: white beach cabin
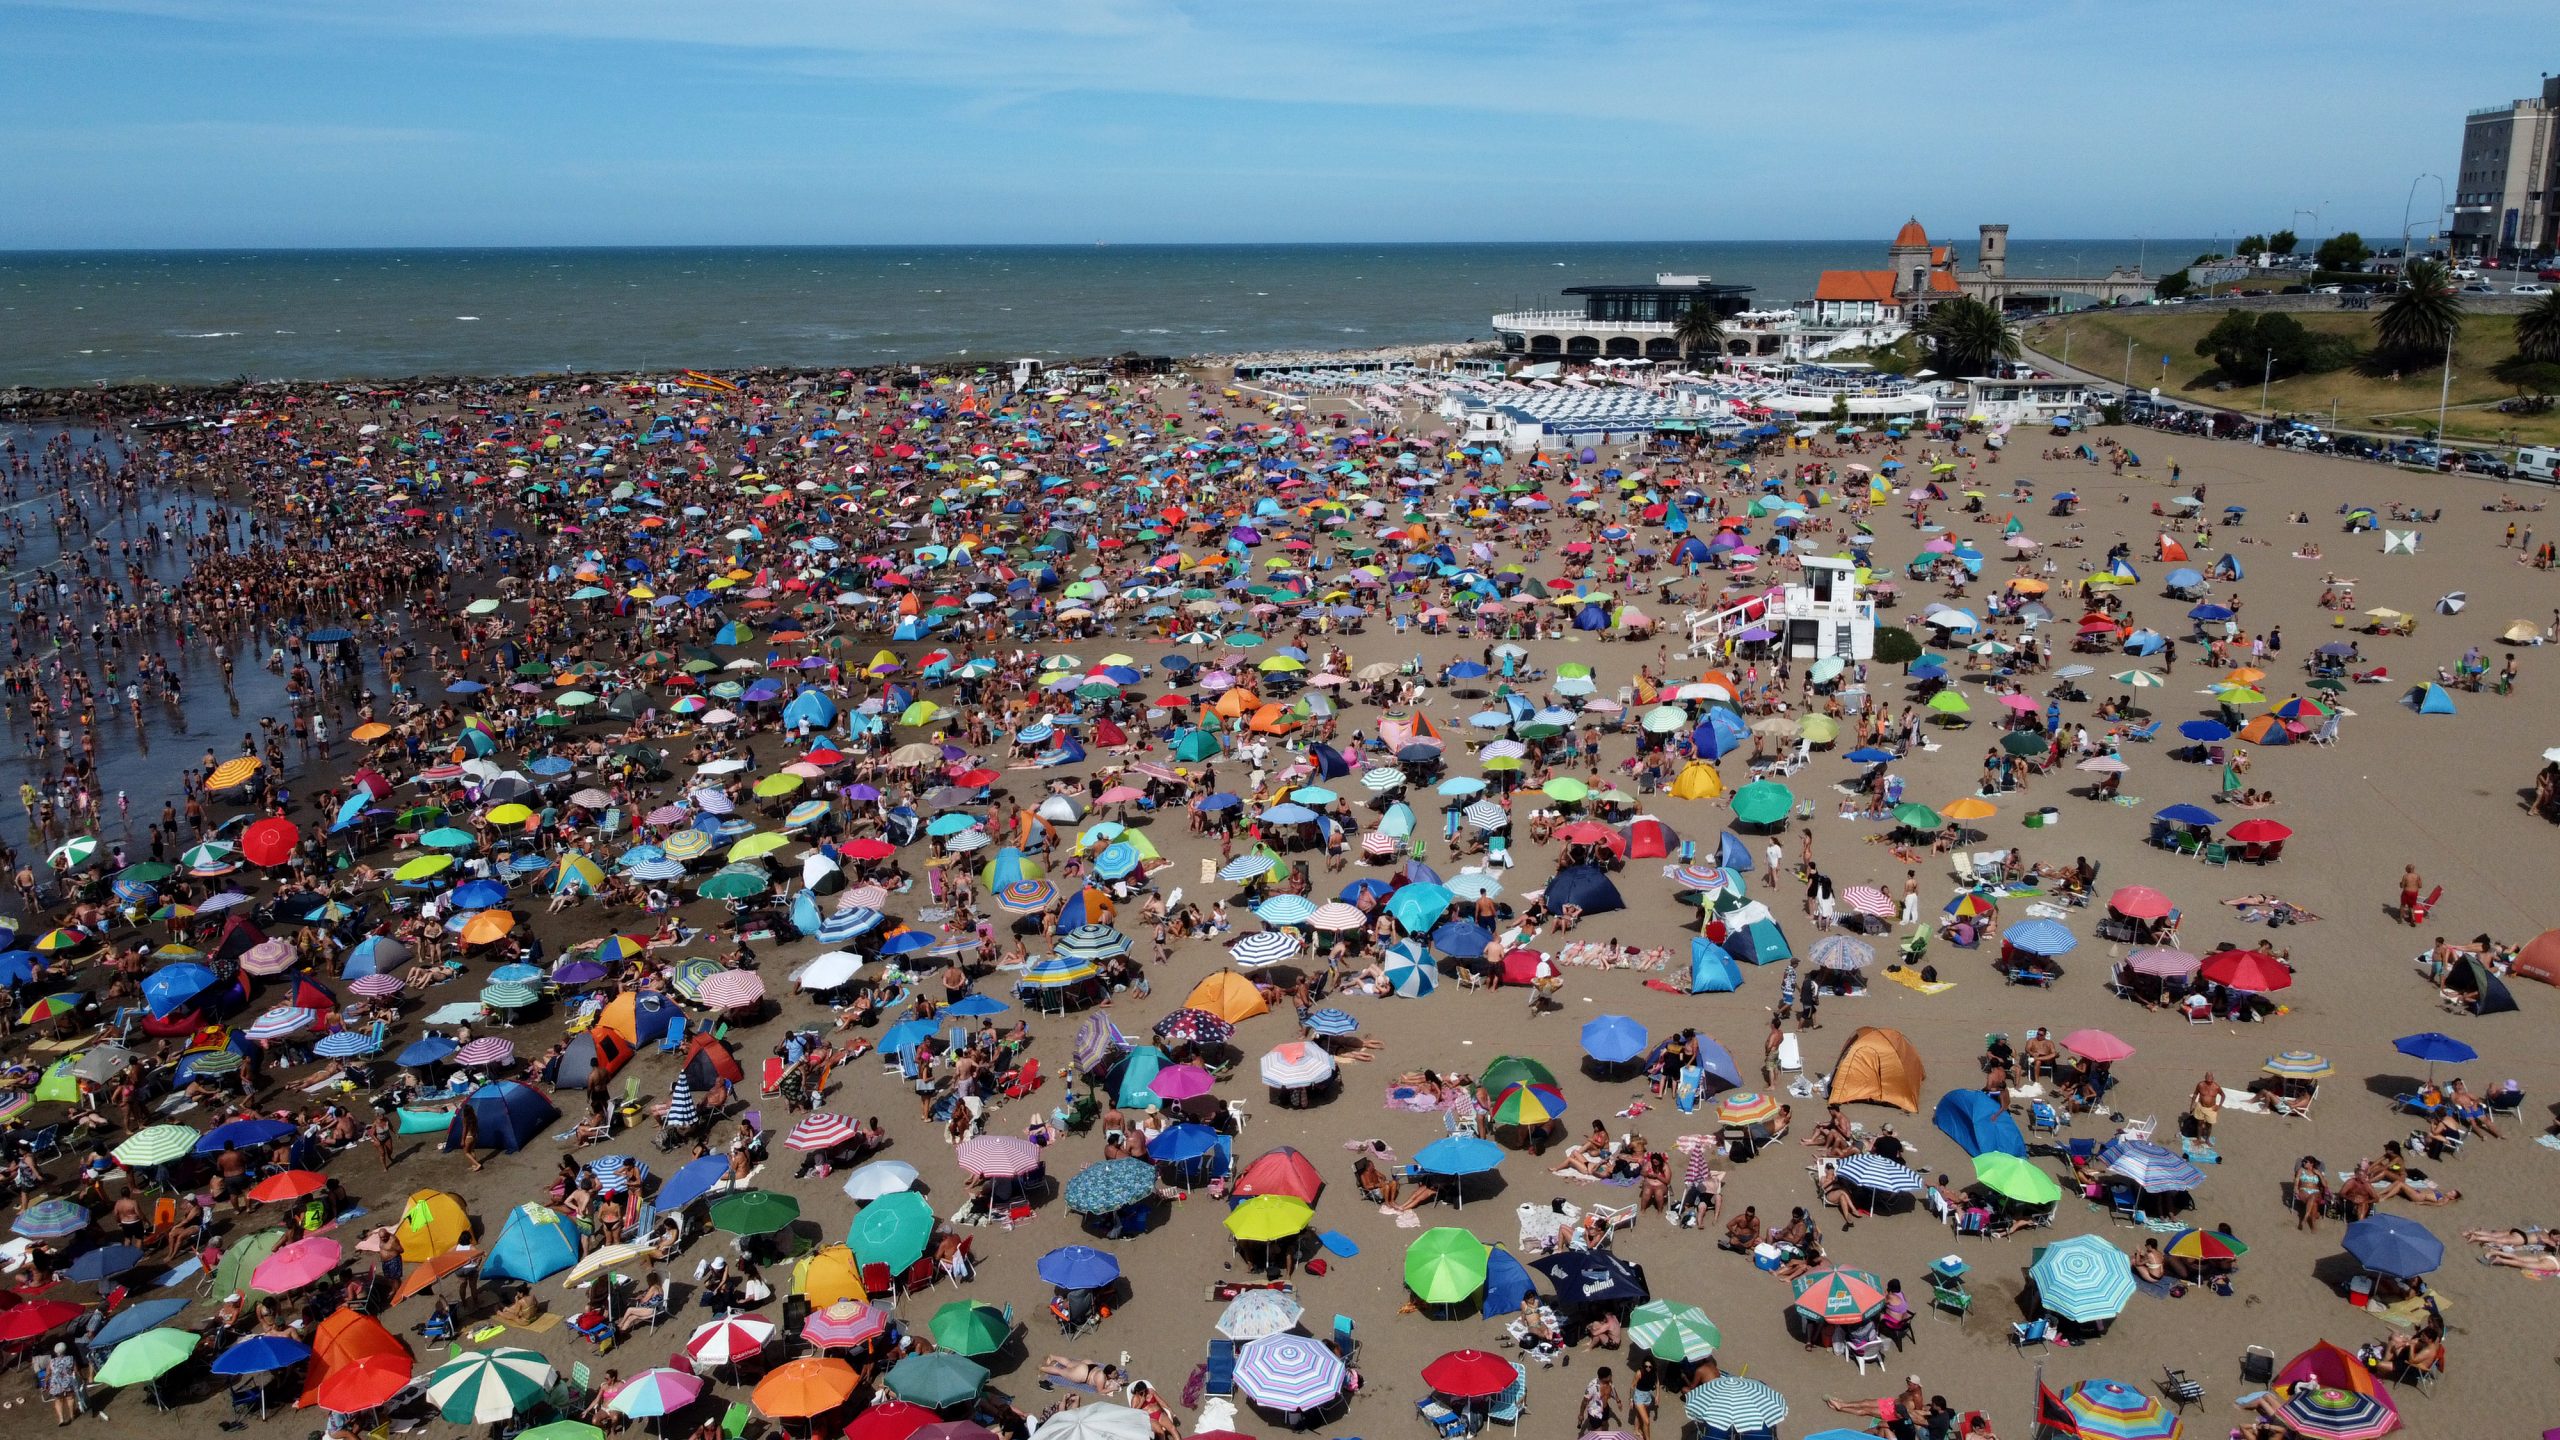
x=1820, y=615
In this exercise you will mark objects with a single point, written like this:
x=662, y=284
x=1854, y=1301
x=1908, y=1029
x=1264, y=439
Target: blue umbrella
x=1461, y=939
x=1613, y=1039
x=168, y=989
x=1181, y=1143
x=426, y=1052
x=479, y=895
x=1868, y=755
x=690, y=1183
x=2434, y=1048
x=1977, y=1123
x=906, y=1035
x=132, y=1320
x=104, y=1263
x=973, y=1006
x=1458, y=1155
x=2041, y=937
x=1078, y=1267
x=2188, y=815
x=241, y=1135
x=2395, y=1246
x=260, y=1354
x=2207, y=731
x=1330, y=1021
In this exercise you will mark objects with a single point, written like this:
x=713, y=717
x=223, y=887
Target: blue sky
x=497, y=122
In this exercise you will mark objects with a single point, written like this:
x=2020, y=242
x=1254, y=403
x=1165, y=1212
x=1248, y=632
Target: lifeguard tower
x=1822, y=614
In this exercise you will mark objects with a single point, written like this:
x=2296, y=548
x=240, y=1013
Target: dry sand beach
x=2444, y=793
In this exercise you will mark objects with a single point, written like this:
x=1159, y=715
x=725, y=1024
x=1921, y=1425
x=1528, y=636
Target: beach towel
x=1409, y=1100
x=1910, y=978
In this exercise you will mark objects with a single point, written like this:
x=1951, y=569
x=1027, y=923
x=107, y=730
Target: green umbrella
x=753, y=1212
x=2016, y=1178
x=563, y=1430
x=936, y=1381
x=143, y=1358
x=968, y=1327
x=1672, y=1331
x=157, y=1145
x=231, y=1273
x=1948, y=702
x=1917, y=816
x=1763, y=802
x=1509, y=1070
x=733, y=884
x=893, y=1230
x=2022, y=743
x=1566, y=789
x=1445, y=1266
x=478, y=1387
x=149, y=872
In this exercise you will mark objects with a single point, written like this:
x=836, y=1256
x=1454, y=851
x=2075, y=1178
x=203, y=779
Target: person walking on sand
x=2205, y=1108
x=1911, y=898
x=2411, y=887
x=1769, y=1050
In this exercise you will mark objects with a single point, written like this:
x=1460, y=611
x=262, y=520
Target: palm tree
x=1699, y=328
x=1968, y=335
x=2423, y=317
x=2538, y=331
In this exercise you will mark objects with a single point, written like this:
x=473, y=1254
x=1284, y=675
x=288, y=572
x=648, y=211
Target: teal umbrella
x=1763, y=802
x=936, y=1381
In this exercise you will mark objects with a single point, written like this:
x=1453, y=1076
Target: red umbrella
x=2261, y=832
x=26, y=1322
x=1520, y=967
x=2141, y=902
x=1469, y=1374
x=366, y=1383
x=270, y=842
x=2255, y=971
x=870, y=848
x=287, y=1185
x=890, y=1420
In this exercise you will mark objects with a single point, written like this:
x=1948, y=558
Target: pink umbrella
x=1868, y=900
x=732, y=989
x=2023, y=703
x=819, y=1130
x=298, y=1264
x=1182, y=1082
x=999, y=1156
x=376, y=987
x=487, y=1050
x=1120, y=795
x=2096, y=1045
x=2140, y=902
x=2167, y=964
x=268, y=957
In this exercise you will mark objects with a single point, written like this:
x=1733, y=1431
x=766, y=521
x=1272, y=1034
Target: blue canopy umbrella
x=690, y=1183
x=241, y=1135
x=2041, y=937
x=1458, y=1155
x=2394, y=1245
x=1613, y=1039
x=1078, y=1267
x=133, y=1319
x=260, y=1354
x=426, y=1051
x=2189, y=814
x=2206, y=731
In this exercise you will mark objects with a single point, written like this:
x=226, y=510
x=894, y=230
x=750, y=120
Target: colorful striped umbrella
x=1528, y=1105
x=1289, y=1372
x=2333, y=1414
x=730, y=1339
x=654, y=1392
x=2206, y=1245
x=2300, y=1065
x=2113, y=1410
x=1256, y=1313
x=844, y=1323
x=2152, y=1168
x=157, y=1145
x=2082, y=1278
x=1745, y=1107
x=819, y=1130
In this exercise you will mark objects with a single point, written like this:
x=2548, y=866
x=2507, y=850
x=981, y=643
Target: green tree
x=2251, y=246
x=2173, y=285
x=1968, y=336
x=2538, y=331
x=2421, y=318
x=1896, y=646
x=2345, y=250
x=2529, y=376
x=2283, y=242
x=1699, y=328
x=2245, y=345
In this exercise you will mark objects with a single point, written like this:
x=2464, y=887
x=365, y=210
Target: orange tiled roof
x=1874, y=285
x=1942, y=254
x=1942, y=283
x=1912, y=234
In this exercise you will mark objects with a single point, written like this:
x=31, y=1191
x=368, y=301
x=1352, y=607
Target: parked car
x=2529, y=288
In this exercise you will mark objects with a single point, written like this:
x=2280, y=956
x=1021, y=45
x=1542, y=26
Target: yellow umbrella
x=1820, y=729
x=755, y=845
x=423, y=867
x=782, y=784
x=1269, y=1217
x=511, y=813
x=233, y=772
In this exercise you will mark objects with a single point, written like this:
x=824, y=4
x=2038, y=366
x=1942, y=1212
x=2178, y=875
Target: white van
x=2539, y=464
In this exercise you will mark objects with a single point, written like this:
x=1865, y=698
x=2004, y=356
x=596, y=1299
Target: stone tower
x=1995, y=251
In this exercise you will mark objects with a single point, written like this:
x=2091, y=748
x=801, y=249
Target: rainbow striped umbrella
x=1528, y=1105
x=2113, y=1410
x=1026, y=897
x=2333, y=1414
x=1745, y=1107
x=2206, y=1245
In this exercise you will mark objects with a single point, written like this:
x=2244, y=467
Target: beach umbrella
x=1256, y=1313
x=1109, y=1186
x=1877, y=1172
x=260, y=1355
x=2435, y=1048
x=2331, y=1413
x=1445, y=1266
x=968, y=1327
x=146, y=1357
x=1613, y=1039
x=799, y=1389
x=2206, y=1245
x=1265, y=1218
x=2096, y=1045
x=2394, y=1245
x=1081, y=1267
x=1833, y=1293
x=1673, y=1331
x=2082, y=1278
x=156, y=1145
x=1746, y=1107
x=655, y=1392
x=1528, y=1105
x=479, y=1387
x=1289, y=1372
x=894, y=1230
x=2015, y=1178
x=844, y=1323
x=2299, y=1065
x=1763, y=802
x=1458, y=1155
x=1509, y=1070
x=2152, y=1168
x=1732, y=1404
x=876, y=1179
x=2113, y=1410
x=50, y=1220
x=1979, y=1124
x=1100, y=1420
x=936, y=1381
x=2255, y=971
x=1469, y=1374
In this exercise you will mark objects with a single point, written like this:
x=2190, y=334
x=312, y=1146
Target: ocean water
x=70, y=318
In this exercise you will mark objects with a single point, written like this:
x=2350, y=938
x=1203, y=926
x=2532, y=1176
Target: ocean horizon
x=203, y=316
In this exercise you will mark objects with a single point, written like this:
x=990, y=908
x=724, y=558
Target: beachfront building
x=1630, y=322
x=1818, y=616
x=1916, y=273
x=2023, y=402
x=1857, y=392
x=2503, y=206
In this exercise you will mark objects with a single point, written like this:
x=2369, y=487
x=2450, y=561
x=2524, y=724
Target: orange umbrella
x=371, y=730
x=427, y=1272
x=288, y=1185
x=486, y=926
x=805, y=1387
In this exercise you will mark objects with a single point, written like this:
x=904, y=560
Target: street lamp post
x=2264, y=375
x=2412, y=200
x=2445, y=393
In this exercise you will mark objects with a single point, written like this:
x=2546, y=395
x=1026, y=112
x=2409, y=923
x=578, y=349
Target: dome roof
x=1911, y=234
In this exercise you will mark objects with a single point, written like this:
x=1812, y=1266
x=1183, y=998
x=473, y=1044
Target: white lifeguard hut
x=1820, y=615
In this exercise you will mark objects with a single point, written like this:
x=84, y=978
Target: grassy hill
x=2406, y=405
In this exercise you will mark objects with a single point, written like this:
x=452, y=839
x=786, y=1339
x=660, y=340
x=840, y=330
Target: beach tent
x=1010, y=866
x=511, y=1116
x=1507, y=1282
x=597, y=1052
x=2431, y=699
x=1227, y=995
x=1978, y=1123
x=1650, y=839
x=1878, y=1065
x=2171, y=549
x=1587, y=886
x=1752, y=935
x=2326, y=1365
x=536, y=1243
x=1711, y=969
x=430, y=1224
x=340, y=1340
x=1698, y=780
x=2540, y=958
x=2488, y=993
x=640, y=1017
